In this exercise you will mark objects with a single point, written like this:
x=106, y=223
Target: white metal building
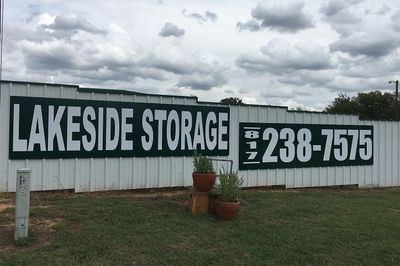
x=117, y=173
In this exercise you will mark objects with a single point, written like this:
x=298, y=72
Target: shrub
x=228, y=188
x=202, y=164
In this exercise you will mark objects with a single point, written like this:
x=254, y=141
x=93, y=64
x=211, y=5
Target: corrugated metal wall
x=135, y=173
x=383, y=173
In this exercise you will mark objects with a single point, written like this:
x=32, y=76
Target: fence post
x=22, y=198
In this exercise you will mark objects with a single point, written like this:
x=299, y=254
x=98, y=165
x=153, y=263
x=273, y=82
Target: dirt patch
x=40, y=229
x=151, y=193
x=5, y=206
x=5, y=202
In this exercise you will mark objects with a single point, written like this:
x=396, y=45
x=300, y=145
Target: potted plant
x=203, y=173
x=227, y=203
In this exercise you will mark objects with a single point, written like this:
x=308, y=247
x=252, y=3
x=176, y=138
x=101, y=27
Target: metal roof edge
x=97, y=90
x=38, y=83
x=128, y=92
x=243, y=105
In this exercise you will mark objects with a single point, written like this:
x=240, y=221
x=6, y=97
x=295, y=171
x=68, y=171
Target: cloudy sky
x=291, y=53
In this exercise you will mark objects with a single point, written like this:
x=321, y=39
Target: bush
x=202, y=164
x=228, y=188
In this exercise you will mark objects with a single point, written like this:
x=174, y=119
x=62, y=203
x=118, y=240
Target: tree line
x=367, y=105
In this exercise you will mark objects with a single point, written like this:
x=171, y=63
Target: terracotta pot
x=226, y=210
x=203, y=182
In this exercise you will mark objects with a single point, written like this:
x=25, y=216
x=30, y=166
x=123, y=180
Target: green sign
x=269, y=146
x=68, y=128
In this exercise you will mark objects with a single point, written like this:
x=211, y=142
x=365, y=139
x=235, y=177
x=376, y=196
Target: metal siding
x=135, y=173
x=316, y=171
x=346, y=171
x=396, y=155
x=290, y=174
x=252, y=116
x=281, y=173
x=140, y=173
x=387, y=166
x=241, y=116
x=4, y=96
x=125, y=173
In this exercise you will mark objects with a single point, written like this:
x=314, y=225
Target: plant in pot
x=203, y=173
x=227, y=204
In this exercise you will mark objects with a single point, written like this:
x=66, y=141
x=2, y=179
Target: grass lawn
x=274, y=227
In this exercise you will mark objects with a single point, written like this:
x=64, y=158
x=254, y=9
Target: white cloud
x=362, y=43
x=280, y=56
x=276, y=16
x=278, y=49
x=72, y=23
x=201, y=18
x=197, y=71
x=251, y=25
x=383, y=10
x=396, y=21
x=111, y=55
x=367, y=67
x=171, y=30
x=338, y=12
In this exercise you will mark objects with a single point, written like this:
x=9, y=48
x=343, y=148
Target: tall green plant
x=228, y=188
x=202, y=164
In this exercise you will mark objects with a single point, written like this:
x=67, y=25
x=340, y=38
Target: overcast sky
x=291, y=53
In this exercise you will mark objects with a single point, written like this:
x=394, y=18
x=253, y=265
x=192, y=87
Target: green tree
x=232, y=101
x=377, y=105
x=343, y=104
x=368, y=105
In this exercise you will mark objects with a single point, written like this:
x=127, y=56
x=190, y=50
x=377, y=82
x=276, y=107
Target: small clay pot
x=203, y=182
x=226, y=210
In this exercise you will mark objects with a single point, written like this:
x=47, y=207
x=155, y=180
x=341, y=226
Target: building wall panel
x=96, y=174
